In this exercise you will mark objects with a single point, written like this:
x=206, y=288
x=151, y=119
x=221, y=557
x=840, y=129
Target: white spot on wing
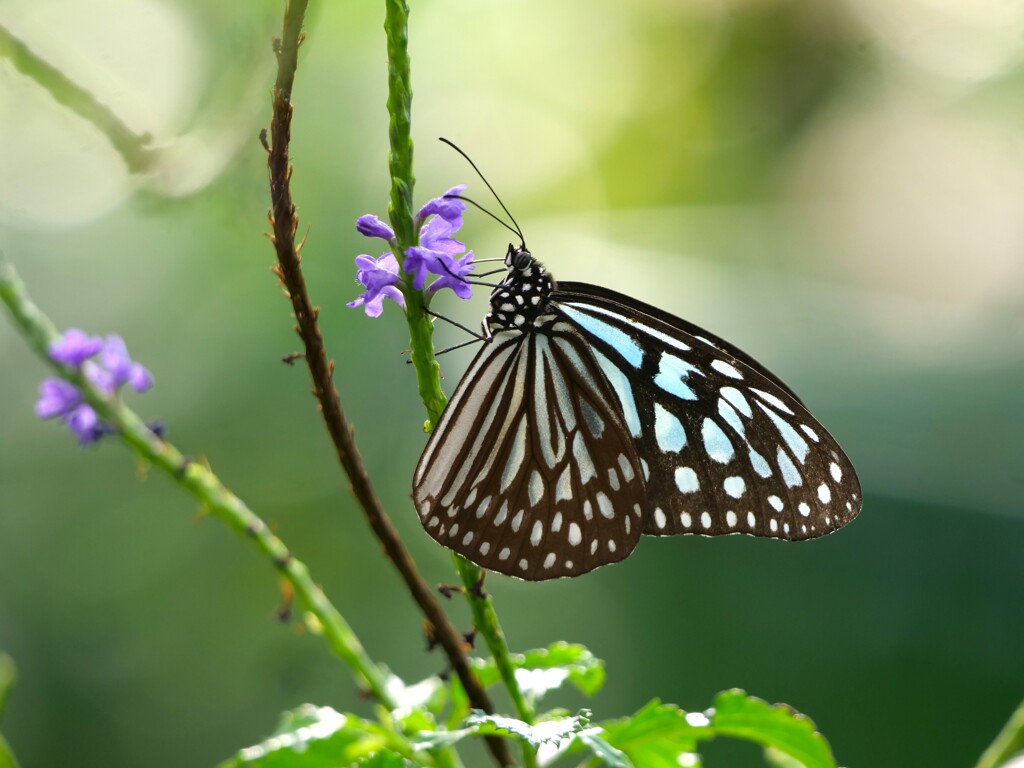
x=613, y=478
x=627, y=470
x=836, y=472
x=668, y=430
x=563, y=488
x=575, y=535
x=584, y=464
x=716, y=444
x=536, y=533
x=536, y=488
x=768, y=397
x=726, y=369
x=686, y=480
x=734, y=486
x=604, y=504
x=788, y=470
x=824, y=494
x=659, y=517
x=705, y=520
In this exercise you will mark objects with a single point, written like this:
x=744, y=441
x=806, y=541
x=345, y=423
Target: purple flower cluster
x=106, y=364
x=437, y=254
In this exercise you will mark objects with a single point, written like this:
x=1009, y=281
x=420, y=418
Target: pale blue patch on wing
x=640, y=327
x=796, y=443
x=732, y=418
x=789, y=470
x=671, y=372
x=738, y=401
x=624, y=391
x=618, y=339
x=716, y=443
x=760, y=464
x=592, y=419
x=668, y=431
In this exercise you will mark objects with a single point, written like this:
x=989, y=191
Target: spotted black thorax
x=524, y=294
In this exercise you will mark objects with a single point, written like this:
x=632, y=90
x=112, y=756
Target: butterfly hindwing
x=726, y=447
x=532, y=470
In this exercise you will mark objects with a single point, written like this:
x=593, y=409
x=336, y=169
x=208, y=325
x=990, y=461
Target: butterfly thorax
x=522, y=296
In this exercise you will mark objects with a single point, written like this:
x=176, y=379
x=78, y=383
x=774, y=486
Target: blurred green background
x=837, y=187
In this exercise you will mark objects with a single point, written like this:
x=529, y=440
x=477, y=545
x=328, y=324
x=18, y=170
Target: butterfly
x=589, y=418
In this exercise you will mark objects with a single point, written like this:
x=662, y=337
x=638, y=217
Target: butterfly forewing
x=725, y=446
x=532, y=470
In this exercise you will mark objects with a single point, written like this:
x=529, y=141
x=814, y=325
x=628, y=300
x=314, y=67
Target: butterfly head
x=523, y=295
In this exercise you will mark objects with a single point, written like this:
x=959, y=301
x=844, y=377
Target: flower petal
x=75, y=347
x=444, y=206
x=371, y=226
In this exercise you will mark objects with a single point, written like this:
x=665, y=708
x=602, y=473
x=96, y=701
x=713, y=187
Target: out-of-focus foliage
x=835, y=187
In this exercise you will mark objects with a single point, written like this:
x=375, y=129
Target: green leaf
x=663, y=736
x=430, y=694
x=537, y=672
x=551, y=731
x=656, y=737
x=776, y=726
x=605, y=752
x=320, y=737
x=544, y=669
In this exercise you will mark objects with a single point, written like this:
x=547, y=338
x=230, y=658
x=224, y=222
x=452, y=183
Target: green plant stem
x=203, y=485
x=132, y=146
x=428, y=372
x=1009, y=741
x=485, y=619
x=400, y=157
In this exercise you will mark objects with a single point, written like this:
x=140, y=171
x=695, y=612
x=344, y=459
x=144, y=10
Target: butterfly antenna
x=477, y=205
x=517, y=230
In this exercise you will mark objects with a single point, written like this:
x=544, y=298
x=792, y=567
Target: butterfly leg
x=477, y=590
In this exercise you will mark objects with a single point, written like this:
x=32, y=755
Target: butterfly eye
x=522, y=259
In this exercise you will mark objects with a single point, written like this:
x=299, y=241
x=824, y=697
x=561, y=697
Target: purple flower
x=453, y=275
x=436, y=253
x=85, y=424
x=115, y=368
x=56, y=398
x=436, y=241
x=379, y=277
x=75, y=347
x=109, y=370
x=371, y=226
x=446, y=207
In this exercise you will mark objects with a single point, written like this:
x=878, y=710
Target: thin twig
x=289, y=270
